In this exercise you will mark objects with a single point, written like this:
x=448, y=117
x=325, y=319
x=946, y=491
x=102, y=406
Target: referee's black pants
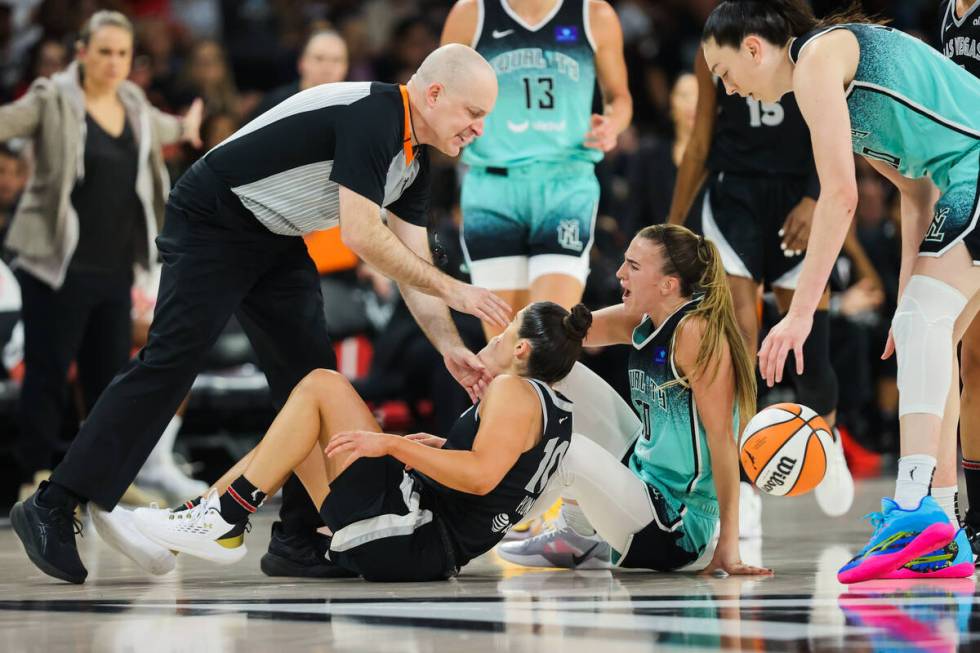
x=218, y=260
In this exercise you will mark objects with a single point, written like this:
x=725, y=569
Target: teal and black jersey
x=672, y=454
x=909, y=106
x=547, y=81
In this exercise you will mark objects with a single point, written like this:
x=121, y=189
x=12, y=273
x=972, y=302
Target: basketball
x=784, y=449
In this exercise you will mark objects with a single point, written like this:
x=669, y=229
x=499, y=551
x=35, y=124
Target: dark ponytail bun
x=556, y=338
x=577, y=322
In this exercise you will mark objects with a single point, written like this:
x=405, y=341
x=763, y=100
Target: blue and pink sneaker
x=955, y=560
x=899, y=537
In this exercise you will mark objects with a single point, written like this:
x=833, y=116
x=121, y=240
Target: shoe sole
x=277, y=566
x=961, y=570
x=162, y=563
x=541, y=562
x=931, y=538
x=19, y=521
x=215, y=553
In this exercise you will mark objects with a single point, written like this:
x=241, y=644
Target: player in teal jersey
x=911, y=113
x=690, y=378
x=530, y=196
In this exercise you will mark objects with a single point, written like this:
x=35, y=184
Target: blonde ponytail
x=697, y=263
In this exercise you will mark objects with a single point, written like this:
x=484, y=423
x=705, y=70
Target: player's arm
x=611, y=326
x=713, y=388
x=509, y=411
x=691, y=173
x=433, y=316
x=918, y=197
x=363, y=232
x=461, y=23
x=819, y=87
x=818, y=82
x=607, y=34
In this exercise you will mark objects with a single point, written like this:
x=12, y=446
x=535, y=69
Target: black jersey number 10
x=538, y=92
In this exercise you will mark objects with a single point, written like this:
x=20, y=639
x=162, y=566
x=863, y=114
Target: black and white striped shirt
x=286, y=166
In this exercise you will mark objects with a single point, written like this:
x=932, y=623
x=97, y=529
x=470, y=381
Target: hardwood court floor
x=493, y=606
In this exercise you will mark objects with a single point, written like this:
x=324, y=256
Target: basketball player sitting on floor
x=413, y=508
x=690, y=380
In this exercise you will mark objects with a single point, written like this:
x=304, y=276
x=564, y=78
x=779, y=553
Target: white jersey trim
x=531, y=28
x=382, y=526
x=480, y=15
x=952, y=13
x=588, y=24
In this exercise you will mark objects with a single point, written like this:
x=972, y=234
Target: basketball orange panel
x=761, y=446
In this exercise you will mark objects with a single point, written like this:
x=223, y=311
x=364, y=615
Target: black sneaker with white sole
x=300, y=556
x=48, y=536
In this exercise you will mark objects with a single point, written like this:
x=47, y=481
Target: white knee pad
x=923, y=332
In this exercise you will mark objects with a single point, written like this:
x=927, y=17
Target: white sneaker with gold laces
x=199, y=531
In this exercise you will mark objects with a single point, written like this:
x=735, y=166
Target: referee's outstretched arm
x=370, y=239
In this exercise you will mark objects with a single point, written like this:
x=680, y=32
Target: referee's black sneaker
x=300, y=556
x=48, y=536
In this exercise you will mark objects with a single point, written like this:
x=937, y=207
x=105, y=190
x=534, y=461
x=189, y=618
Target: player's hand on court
x=796, y=228
x=787, y=336
x=361, y=444
x=889, y=346
x=469, y=372
x=480, y=303
x=730, y=563
x=192, y=123
x=602, y=135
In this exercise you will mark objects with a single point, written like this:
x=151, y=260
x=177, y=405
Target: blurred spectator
x=13, y=179
x=157, y=62
x=91, y=177
x=48, y=57
x=216, y=128
x=206, y=74
x=324, y=60
x=413, y=39
x=653, y=168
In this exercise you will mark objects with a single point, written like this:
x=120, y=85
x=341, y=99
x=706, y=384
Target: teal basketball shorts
x=524, y=222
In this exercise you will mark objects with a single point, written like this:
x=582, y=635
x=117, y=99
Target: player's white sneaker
x=749, y=512
x=118, y=529
x=835, y=493
x=199, y=531
x=558, y=546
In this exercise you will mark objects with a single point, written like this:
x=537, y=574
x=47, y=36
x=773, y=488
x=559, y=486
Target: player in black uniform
x=404, y=509
x=760, y=188
x=959, y=39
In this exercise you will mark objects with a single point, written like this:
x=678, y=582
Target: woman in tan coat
x=91, y=210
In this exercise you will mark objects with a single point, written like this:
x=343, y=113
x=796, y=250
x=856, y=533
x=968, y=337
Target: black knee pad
x=817, y=387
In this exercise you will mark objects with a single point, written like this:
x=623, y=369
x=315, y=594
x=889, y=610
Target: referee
x=231, y=244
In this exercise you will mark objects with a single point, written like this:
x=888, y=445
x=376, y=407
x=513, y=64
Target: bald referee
x=231, y=244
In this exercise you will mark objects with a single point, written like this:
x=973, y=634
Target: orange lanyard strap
x=407, y=134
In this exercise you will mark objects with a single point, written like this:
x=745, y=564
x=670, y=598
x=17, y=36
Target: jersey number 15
x=769, y=114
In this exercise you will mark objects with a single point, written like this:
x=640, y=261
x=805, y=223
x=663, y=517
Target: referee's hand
x=479, y=302
x=468, y=370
